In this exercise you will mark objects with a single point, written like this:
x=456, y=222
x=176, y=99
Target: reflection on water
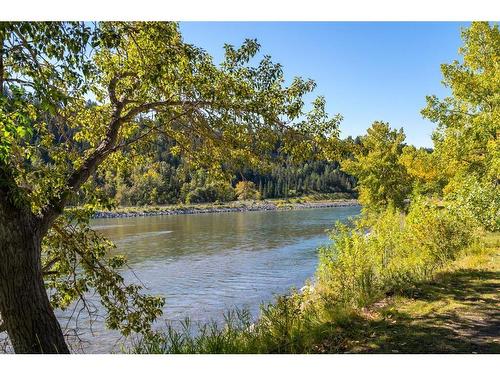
x=205, y=264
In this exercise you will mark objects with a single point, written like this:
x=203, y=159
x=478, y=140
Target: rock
x=253, y=207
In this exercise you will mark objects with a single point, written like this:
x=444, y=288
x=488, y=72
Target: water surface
x=207, y=263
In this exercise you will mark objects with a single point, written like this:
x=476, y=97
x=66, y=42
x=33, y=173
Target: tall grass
x=373, y=257
x=280, y=329
x=389, y=253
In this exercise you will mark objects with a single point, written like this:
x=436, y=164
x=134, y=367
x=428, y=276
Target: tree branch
x=21, y=81
x=50, y=273
x=80, y=175
x=150, y=129
x=50, y=264
x=112, y=87
x=159, y=104
x=107, y=146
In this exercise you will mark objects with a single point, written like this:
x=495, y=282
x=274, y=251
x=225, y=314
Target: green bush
x=388, y=253
x=246, y=190
x=283, y=327
x=372, y=257
x=214, y=192
x=481, y=200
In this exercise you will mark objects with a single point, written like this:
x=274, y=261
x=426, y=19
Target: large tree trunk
x=24, y=305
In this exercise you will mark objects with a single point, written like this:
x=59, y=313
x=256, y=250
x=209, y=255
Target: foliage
x=481, y=199
x=466, y=138
x=467, y=149
x=389, y=252
x=425, y=169
x=294, y=180
x=144, y=75
x=382, y=180
x=144, y=82
x=203, y=188
x=15, y=125
x=76, y=261
x=354, y=271
x=246, y=190
x=159, y=177
x=281, y=329
x=58, y=148
x=162, y=179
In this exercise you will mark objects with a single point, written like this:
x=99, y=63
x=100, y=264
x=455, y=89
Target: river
x=207, y=263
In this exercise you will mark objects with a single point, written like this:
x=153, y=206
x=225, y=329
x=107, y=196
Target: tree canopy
x=468, y=124
x=77, y=97
x=382, y=180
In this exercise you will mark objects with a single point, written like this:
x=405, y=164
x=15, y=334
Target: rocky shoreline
x=256, y=206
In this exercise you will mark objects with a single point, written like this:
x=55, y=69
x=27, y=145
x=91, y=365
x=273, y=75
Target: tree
x=466, y=143
x=202, y=188
x=246, y=190
x=76, y=98
x=466, y=138
x=426, y=170
x=382, y=180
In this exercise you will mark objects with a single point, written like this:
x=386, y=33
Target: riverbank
x=236, y=206
x=455, y=311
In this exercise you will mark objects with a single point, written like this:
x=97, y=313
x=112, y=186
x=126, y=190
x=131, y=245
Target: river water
x=207, y=263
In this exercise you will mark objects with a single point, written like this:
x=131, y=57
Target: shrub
x=284, y=327
x=213, y=192
x=246, y=190
x=388, y=253
x=481, y=200
x=375, y=255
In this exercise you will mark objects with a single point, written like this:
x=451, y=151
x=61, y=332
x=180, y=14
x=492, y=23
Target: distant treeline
x=309, y=178
x=167, y=179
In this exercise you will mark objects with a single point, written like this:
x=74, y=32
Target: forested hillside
x=169, y=179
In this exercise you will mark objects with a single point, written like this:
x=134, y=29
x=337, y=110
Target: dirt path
x=459, y=312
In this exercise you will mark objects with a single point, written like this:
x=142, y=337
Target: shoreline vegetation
x=416, y=271
x=307, y=202
x=450, y=308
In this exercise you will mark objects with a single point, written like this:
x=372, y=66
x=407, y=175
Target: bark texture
x=24, y=305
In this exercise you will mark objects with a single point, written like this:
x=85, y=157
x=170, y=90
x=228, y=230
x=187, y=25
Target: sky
x=367, y=71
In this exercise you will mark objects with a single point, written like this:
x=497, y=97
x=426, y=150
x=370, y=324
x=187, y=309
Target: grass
x=456, y=312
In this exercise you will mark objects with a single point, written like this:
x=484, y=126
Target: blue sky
x=367, y=71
